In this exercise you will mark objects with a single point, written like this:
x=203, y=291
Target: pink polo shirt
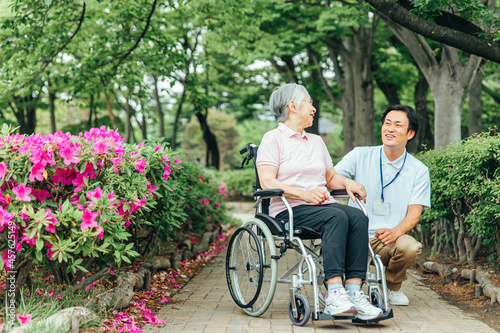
x=302, y=161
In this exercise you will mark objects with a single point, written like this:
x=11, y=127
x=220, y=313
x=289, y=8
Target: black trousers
x=344, y=236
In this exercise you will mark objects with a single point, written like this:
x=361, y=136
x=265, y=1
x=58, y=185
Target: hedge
x=465, y=198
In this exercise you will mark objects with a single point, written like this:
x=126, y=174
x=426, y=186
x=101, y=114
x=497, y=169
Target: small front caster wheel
x=303, y=310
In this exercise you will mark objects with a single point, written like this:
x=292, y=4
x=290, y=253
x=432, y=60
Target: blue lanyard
x=382, y=177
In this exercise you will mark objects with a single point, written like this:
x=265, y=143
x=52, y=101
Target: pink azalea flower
x=176, y=160
x=75, y=199
x=153, y=320
x=222, y=187
x=89, y=171
x=50, y=253
x=88, y=219
x=22, y=192
x=205, y=201
x=78, y=182
x=59, y=176
x=3, y=170
x=24, y=319
x=41, y=195
x=52, y=221
x=37, y=171
x=97, y=194
x=5, y=218
x=116, y=161
x=23, y=214
x=157, y=148
x=101, y=147
x=140, y=165
x=68, y=154
x=101, y=234
x=27, y=239
x=217, y=205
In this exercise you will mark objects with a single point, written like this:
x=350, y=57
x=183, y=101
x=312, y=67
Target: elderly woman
x=299, y=163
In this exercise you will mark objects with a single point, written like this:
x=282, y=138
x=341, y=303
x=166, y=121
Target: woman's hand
x=316, y=196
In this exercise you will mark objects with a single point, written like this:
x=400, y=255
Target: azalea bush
x=65, y=199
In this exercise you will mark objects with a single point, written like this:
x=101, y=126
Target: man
x=398, y=190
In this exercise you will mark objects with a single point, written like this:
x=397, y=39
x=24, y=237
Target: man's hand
x=353, y=187
x=387, y=236
x=316, y=196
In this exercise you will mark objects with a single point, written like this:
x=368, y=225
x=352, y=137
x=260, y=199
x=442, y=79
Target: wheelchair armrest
x=268, y=193
x=339, y=193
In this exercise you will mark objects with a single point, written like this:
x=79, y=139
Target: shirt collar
x=290, y=132
x=397, y=163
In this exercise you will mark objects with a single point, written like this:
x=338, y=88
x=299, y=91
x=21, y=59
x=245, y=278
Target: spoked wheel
x=251, y=271
x=244, y=267
x=303, y=310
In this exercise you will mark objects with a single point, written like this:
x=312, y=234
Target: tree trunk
x=212, y=156
x=462, y=255
x=475, y=105
x=128, y=123
x=144, y=129
x=112, y=118
x=91, y=109
x=363, y=87
x=424, y=138
x=26, y=113
x=449, y=82
x=158, y=107
x=52, y=98
x=173, y=144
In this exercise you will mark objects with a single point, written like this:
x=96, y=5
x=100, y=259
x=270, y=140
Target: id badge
x=381, y=208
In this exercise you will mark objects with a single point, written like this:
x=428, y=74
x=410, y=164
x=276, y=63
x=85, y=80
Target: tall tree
x=448, y=80
x=471, y=26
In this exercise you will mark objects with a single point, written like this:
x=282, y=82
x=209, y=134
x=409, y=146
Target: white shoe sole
x=349, y=312
x=363, y=317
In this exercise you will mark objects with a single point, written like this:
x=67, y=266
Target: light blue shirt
x=411, y=187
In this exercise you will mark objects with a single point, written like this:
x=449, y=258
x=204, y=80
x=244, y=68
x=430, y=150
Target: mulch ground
x=461, y=294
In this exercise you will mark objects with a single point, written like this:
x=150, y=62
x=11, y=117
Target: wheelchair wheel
x=252, y=276
x=376, y=300
x=303, y=310
x=244, y=267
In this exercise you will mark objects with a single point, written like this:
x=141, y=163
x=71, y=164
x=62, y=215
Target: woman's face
x=306, y=111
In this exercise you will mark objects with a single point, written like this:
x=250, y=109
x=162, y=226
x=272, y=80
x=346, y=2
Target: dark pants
x=344, y=236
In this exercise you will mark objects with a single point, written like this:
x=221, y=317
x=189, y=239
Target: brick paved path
x=207, y=307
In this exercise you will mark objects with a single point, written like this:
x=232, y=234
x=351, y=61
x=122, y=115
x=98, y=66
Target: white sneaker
x=397, y=298
x=339, y=303
x=366, y=310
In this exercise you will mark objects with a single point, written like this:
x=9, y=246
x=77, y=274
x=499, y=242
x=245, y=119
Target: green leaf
x=39, y=244
x=48, y=2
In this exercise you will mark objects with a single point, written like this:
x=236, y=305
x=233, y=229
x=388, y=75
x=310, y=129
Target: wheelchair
x=256, y=247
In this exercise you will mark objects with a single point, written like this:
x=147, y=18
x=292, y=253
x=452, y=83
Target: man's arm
x=389, y=236
x=334, y=181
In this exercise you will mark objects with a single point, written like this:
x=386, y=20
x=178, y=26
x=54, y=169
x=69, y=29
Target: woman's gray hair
x=284, y=94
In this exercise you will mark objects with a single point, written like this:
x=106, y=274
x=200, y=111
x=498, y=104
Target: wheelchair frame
x=252, y=262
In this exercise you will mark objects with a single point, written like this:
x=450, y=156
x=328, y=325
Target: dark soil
x=462, y=295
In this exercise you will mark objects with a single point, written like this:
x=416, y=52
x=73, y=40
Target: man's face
x=395, y=129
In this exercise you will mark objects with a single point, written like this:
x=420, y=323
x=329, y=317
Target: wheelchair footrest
x=326, y=316
x=388, y=314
